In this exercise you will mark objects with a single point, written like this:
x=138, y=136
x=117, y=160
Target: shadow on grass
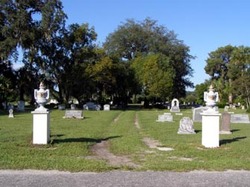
x=197, y=131
x=227, y=141
x=235, y=130
x=71, y=140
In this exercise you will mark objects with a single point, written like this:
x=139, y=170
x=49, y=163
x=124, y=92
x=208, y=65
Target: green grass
x=71, y=139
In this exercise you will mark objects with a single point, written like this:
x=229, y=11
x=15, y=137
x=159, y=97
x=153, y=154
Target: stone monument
x=186, y=126
x=11, y=113
x=210, y=120
x=225, y=123
x=175, y=105
x=41, y=117
x=166, y=117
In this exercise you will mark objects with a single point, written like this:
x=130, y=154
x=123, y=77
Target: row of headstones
x=106, y=107
x=78, y=114
x=186, y=124
x=234, y=118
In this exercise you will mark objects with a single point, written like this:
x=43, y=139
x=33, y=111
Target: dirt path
x=101, y=151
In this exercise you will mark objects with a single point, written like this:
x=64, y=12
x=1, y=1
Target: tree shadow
x=90, y=140
x=235, y=130
x=227, y=141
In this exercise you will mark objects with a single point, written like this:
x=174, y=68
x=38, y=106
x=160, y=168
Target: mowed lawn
x=71, y=140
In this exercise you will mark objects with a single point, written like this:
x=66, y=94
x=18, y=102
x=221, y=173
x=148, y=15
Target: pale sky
x=203, y=25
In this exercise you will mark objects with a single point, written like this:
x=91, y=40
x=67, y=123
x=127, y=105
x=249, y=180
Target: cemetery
x=74, y=104
x=80, y=145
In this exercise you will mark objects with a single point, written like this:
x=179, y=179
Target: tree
x=25, y=26
x=7, y=83
x=135, y=39
x=239, y=73
x=229, y=69
x=155, y=75
x=218, y=68
x=199, y=91
x=65, y=59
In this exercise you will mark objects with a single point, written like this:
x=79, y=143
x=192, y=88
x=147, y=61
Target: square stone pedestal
x=210, y=129
x=41, y=127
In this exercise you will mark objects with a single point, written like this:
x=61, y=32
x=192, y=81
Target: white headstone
x=186, y=126
x=240, y=118
x=11, y=113
x=175, y=106
x=106, y=107
x=166, y=117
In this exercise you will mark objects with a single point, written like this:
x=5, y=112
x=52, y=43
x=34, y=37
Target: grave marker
x=240, y=118
x=166, y=117
x=78, y=114
x=175, y=106
x=186, y=126
x=225, y=123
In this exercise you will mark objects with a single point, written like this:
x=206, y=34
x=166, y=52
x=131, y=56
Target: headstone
x=72, y=106
x=175, y=106
x=61, y=107
x=226, y=108
x=197, y=113
x=11, y=113
x=240, y=118
x=106, y=107
x=21, y=105
x=178, y=114
x=78, y=114
x=186, y=126
x=225, y=123
x=166, y=117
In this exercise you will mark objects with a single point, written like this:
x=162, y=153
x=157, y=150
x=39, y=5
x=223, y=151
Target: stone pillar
x=210, y=129
x=41, y=127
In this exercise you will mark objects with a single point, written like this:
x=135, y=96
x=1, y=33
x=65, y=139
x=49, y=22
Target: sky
x=203, y=25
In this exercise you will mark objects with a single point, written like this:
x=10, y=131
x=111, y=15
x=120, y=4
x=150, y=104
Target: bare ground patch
x=101, y=151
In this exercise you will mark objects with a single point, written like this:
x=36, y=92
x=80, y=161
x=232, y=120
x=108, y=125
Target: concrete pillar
x=41, y=127
x=210, y=129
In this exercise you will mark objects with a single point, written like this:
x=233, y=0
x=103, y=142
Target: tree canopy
x=229, y=70
x=134, y=41
x=138, y=58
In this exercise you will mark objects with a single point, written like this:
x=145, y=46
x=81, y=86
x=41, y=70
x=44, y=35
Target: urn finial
x=211, y=98
x=41, y=97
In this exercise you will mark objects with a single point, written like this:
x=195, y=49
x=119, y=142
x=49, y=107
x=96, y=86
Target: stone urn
x=211, y=98
x=41, y=97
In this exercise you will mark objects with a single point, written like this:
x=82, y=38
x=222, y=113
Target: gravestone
x=225, y=123
x=197, y=113
x=175, y=106
x=11, y=113
x=178, y=114
x=73, y=107
x=21, y=105
x=61, y=107
x=106, y=107
x=166, y=117
x=186, y=126
x=226, y=108
x=240, y=118
x=78, y=114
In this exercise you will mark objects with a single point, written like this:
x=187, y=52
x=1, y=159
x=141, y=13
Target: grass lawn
x=71, y=140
